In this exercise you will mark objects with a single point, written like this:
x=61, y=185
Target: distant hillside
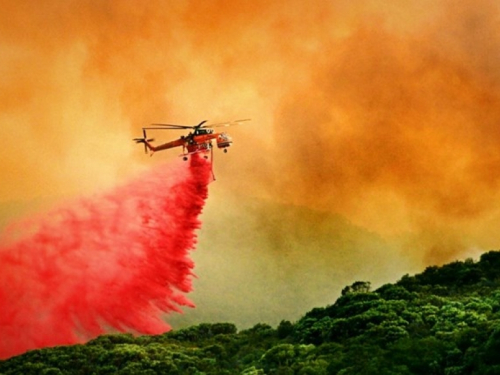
x=443, y=321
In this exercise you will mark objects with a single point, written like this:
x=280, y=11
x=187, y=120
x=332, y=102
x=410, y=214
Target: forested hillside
x=444, y=321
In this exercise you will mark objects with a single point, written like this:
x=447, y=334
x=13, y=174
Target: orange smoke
x=405, y=125
x=384, y=112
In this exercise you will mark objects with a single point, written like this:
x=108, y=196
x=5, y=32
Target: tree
x=357, y=287
x=285, y=329
x=281, y=355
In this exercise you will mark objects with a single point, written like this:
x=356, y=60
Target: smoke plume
x=115, y=262
x=399, y=130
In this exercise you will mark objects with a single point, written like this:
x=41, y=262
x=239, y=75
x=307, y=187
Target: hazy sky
x=373, y=148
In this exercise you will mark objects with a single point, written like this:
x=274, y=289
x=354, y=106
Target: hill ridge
x=445, y=320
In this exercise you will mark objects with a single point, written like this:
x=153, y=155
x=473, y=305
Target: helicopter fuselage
x=199, y=142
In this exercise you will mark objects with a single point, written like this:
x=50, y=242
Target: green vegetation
x=444, y=321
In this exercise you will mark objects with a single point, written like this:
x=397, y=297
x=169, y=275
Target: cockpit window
x=205, y=131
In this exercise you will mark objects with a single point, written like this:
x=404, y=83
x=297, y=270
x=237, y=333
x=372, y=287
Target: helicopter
x=199, y=140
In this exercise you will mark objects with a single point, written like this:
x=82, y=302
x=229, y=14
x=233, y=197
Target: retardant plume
x=116, y=262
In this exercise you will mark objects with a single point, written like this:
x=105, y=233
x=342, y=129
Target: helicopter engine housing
x=224, y=140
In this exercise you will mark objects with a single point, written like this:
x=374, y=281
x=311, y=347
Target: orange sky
x=383, y=112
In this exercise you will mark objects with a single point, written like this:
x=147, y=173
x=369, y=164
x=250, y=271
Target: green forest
x=443, y=321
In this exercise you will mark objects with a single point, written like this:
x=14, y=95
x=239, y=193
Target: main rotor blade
x=200, y=124
x=229, y=123
x=165, y=128
x=171, y=126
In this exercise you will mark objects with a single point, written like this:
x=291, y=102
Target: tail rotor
x=144, y=140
